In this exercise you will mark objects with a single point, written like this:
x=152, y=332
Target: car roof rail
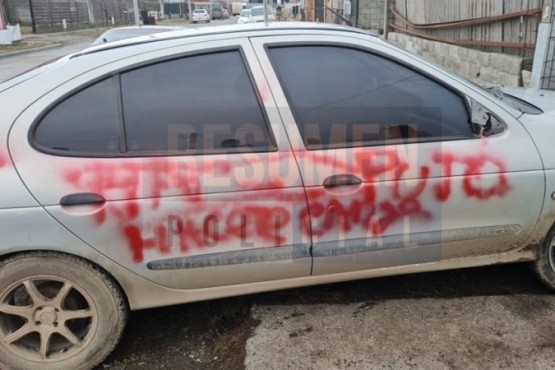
x=225, y=29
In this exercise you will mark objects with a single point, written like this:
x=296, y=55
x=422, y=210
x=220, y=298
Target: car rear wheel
x=57, y=311
x=545, y=264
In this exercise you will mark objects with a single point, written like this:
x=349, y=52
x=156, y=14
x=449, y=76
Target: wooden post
x=90, y=12
x=34, y=25
x=386, y=19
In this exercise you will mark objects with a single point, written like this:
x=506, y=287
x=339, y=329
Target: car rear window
x=86, y=122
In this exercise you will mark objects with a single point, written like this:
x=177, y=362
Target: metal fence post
x=542, y=45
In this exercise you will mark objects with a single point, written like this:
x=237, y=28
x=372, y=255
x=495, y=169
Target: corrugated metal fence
x=49, y=15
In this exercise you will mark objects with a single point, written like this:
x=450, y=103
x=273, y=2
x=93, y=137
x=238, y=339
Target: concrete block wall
x=371, y=14
x=476, y=65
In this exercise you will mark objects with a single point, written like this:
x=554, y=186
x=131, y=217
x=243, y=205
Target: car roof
x=261, y=28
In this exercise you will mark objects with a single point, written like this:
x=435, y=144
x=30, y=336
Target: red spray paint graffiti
x=472, y=175
x=137, y=188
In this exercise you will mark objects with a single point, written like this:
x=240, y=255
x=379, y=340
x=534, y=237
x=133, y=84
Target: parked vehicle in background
x=226, y=13
x=122, y=33
x=217, y=12
x=238, y=7
x=257, y=14
x=244, y=16
x=230, y=160
x=201, y=15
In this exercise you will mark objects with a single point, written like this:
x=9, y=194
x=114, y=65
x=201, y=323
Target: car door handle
x=80, y=199
x=341, y=180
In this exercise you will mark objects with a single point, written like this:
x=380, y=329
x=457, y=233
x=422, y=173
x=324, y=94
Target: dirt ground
x=213, y=335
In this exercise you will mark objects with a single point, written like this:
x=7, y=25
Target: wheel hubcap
x=46, y=316
x=46, y=319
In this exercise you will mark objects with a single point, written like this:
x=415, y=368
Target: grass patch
x=24, y=45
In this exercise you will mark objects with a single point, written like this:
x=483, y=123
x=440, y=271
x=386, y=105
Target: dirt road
x=494, y=317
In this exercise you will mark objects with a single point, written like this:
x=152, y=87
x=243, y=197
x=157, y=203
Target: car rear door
x=394, y=172
x=173, y=163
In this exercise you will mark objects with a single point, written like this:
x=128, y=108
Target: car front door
x=174, y=164
x=394, y=170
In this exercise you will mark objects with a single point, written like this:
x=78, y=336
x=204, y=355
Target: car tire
x=544, y=266
x=57, y=312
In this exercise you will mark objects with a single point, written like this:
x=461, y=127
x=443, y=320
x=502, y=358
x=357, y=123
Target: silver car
x=200, y=164
x=201, y=15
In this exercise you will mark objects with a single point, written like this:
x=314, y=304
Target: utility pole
x=136, y=12
x=265, y=4
x=190, y=10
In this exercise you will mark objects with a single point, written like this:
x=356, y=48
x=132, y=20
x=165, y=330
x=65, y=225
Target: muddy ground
x=213, y=335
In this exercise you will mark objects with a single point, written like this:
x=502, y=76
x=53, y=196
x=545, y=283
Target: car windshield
x=198, y=11
x=507, y=99
x=123, y=34
x=245, y=13
x=257, y=12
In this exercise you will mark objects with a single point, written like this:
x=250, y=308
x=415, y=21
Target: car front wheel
x=545, y=263
x=57, y=312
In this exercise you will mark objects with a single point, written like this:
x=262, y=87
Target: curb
x=19, y=52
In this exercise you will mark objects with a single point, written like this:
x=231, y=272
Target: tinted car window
x=86, y=122
x=345, y=97
x=200, y=103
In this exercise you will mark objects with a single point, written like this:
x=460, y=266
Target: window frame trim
x=285, y=44
x=115, y=76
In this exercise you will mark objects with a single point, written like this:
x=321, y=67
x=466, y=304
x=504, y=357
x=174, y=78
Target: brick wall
x=479, y=66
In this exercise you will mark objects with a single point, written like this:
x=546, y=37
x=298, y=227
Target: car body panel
x=145, y=198
x=543, y=99
x=14, y=194
x=482, y=180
